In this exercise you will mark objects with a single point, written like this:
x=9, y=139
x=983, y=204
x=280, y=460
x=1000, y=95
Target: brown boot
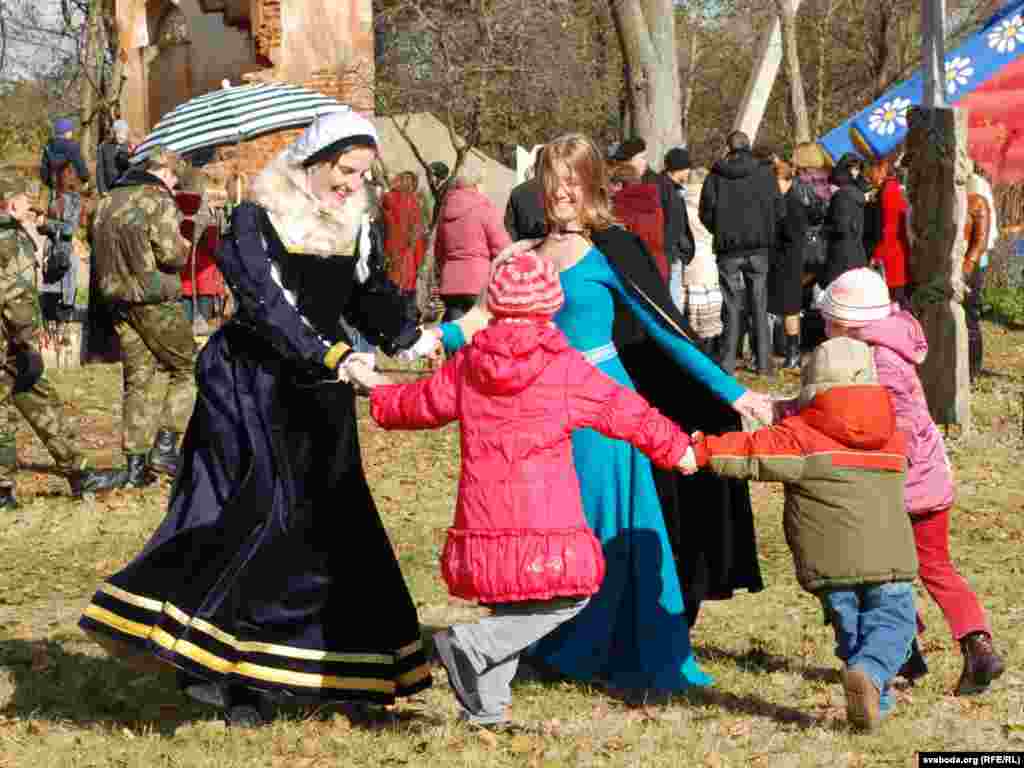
x=863, y=699
x=982, y=664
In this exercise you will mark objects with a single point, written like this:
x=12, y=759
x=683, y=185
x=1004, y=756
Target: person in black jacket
x=524, y=214
x=61, y=149
x=741, y=206
x=679, y=246
x=112, y=157
x=845, y=221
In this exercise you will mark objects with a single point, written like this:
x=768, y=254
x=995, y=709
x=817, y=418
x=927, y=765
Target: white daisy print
x=958, y=70
x=1007, y=34
x=887, y=118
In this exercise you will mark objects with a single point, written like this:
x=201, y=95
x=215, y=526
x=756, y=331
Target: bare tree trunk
x=89, y=84
x=787, y=12
x=647, y=34
x=692, y=51
x=824, y=26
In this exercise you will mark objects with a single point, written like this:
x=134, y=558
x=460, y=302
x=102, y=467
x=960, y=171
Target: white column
x=767, y=61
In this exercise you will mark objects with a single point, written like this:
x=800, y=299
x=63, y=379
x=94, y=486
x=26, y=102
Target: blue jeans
x=675, y=283
x=874, y=626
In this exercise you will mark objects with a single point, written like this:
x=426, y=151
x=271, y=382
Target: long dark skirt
x=709, y=519
x=272, y=568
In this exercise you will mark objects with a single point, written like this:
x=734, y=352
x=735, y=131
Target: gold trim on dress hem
x=242, y=646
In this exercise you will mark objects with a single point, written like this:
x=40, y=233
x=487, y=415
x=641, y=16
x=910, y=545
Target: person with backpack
x=60, y=150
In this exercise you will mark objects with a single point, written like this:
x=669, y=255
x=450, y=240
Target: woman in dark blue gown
x=272, y=571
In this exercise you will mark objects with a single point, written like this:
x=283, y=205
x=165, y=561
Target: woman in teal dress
x=634, y=634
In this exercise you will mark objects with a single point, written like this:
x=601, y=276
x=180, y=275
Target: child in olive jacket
x=842, y=463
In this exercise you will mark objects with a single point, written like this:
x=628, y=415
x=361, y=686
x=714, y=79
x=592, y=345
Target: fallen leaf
x=488, y=738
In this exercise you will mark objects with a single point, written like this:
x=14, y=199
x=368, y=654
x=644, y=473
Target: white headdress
x=302, y=223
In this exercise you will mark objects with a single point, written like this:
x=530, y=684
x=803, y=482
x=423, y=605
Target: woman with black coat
x=845, y=222
x=785, y=292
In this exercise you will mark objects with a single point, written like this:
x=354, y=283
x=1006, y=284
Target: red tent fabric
x=996, y=124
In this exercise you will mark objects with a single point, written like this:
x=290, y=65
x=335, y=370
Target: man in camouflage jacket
x=23, y=382
x=138, y=253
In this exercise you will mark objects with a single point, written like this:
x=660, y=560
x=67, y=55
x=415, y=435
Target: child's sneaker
x=862, y=699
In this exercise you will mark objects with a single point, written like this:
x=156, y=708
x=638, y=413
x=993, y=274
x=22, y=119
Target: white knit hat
x=329, y=132
x=838, y=362
x=856, y=298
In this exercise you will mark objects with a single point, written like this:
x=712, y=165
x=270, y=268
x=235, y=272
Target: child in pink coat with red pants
x=520, y=543
x=857, y=304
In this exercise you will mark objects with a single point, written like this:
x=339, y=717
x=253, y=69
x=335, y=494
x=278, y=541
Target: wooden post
x=939, y=167
x=938, y=172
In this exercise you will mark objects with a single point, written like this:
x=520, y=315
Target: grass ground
x=777, y=701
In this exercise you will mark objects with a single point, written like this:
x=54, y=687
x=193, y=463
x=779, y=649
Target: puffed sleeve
x=376, y=308
x=262, y=302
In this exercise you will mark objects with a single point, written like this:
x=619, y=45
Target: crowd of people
x=592, y=336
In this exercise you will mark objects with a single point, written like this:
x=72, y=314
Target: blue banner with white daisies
x=880, y=128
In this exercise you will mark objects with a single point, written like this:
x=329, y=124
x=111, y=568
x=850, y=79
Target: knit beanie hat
x=856, y=298
x=629, y=149
x=677, y=159
x=525, y=285
x=838, y=362
x=62, y=125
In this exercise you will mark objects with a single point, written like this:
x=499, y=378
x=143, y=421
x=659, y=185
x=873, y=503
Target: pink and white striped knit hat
x=856, y=298
x=525, y=285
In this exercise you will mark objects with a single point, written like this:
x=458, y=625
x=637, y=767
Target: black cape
x=709, y=519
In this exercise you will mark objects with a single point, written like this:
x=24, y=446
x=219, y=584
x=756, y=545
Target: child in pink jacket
x=520, y=543
x=857, y=304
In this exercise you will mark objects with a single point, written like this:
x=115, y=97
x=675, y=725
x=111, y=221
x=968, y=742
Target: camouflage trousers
x=44, y=411
x=154, y=338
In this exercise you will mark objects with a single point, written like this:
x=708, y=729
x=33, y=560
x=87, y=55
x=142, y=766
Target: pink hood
x=899, y=346
x=505, y=358
x=899, y=332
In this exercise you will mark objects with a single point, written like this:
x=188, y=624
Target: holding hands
x=358, y=370
x=755, y=405
x=428, y=345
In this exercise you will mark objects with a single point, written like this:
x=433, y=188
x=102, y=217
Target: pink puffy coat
x=519, y=390
x=899, y=346
x=470, y=234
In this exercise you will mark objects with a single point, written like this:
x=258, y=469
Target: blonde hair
x=808, y=155
x=581, y=156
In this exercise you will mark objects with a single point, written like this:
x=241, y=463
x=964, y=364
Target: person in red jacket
x=520, y=543
x=637, y=204
x=403, y=232
x=893, y=246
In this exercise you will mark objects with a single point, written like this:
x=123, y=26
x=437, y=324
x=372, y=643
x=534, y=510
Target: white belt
x=601, y=354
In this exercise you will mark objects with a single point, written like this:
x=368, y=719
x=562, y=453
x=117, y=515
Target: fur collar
x=301, y=222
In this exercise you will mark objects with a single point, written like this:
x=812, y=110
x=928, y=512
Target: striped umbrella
x=235, y=114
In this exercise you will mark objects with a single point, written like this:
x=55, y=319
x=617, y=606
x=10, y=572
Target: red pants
x=944, y=583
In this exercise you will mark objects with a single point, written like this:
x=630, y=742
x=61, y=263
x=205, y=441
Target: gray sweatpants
x=487, y=652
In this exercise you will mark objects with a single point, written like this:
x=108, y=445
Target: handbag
x=815, y=249
x=703, y=304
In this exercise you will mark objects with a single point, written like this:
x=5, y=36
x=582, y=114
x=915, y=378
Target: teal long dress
x=634, y=633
